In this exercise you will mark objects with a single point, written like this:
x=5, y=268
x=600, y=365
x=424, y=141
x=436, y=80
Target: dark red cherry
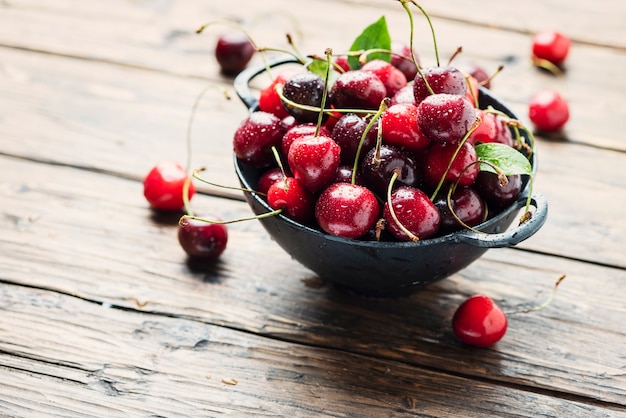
x=464, y=168
x=400, y=128
x=415, y=212
x=357, y=89
x=314, y=160
x=202, y=240
x=268, y=178
x=233, y=52
x=295, y=201
x=392, y=78
x=306, y=89
x=445, y=117
x=401, y=59
x=163, y=186
x=344, y=175
x=449, y=80
x=348, y=132
x=465, y=203
x=254, y=138
x=494, y=192
x=378, y=168
x=478, y=72
x=479, y=321
x=347, y=210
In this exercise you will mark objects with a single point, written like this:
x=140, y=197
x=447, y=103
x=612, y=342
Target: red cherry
x=400, y=128
x=163, y=186
x=202, y=240
x=415, y=212
x=446, y=117
x=392, y=77
x=269, y=100
x=295, y=201
x=479, y=321
x=268, y=178
x=347, y=210
x=548, y=111
x=298, y=131
x=463, y=168
x=314, y=161
x=233, y=52
x=357, y=89
x=342, y=62
x=492, y=128
x=254, y=138
x=551, y=46
x=401, y=59
x=449, y=80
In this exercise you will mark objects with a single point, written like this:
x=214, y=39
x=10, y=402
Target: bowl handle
x=241, y=84
x=513, y=236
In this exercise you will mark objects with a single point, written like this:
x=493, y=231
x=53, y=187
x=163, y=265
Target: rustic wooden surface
x=102, y=316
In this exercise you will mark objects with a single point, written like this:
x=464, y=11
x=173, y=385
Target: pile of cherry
x=384, y=150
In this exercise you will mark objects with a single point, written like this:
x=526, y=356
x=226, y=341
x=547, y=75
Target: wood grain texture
x=133, y=262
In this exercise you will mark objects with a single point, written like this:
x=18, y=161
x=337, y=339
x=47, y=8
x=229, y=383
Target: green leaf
x=506, y=158
x=375, y=36
x=319, y=67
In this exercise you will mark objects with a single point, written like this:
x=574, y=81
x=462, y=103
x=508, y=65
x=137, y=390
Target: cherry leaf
x=375, y=36
x=320, y=67
x=506, y=158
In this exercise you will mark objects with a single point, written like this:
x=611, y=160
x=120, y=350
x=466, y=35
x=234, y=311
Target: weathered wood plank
x=129, y=260
x=160, y=36
x=119, y=363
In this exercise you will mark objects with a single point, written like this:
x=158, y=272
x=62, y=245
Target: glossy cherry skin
x=268, y=178
x=298, y=131
x=342, y=62
x=254, y=138
x=465, y=203
x=270, y=101
x=401, y=59
x=494, y=193
x=414, y=211
x=306, y=89
x=357, y=89
x=314, y=161
x=400, y=128
x=163, y=186
x=446, y=117
x=377, y=169
x=548, y=111
x=393, y=79
x=233, y=52
x=292, y=198
x=348, y=132
x=347, y=210
x=463, y=169
x=404, y=95
x=203, y=240
x=479, y=321
x=552, y=46
x=491, y=129
x=449, y=80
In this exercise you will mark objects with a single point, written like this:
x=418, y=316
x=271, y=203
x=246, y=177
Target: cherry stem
x=454, y=55
x=405, y=5
x=320, y=116
x=432, y=29
x=183, y=218
x=472, y=92
x=384, y=104
x=456, y=152
x=547, y=65
x=279, y=91
x=392, y=212
x=186, y=203
x=492, y=76
x=543, y=305
x=221, y=186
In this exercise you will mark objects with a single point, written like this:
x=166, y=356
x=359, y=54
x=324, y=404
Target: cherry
x=233, y=52
x=492, y=128
x=494, y=192
x=347, y=210
x=348, y=131
x=393, y=79
x=379, y=166
x=298, y=131
x=550, y=45
x=400, y=128
x=255, y=137
x=414, y=211
x=163, y=186
x=446, y=117
x=202, y=240
x=341, y=61
x=357, y=89
x=466, y=204
x=404, y=95
x=448, y=80
x=314, y=161
x=305, y=89
x=290, y=196
x=548, y=110
x=478, y=73
x=463, y=168
x=401, y=59
x=344, y=175
x=479, y=321
x=270, y=101
x=268, y=178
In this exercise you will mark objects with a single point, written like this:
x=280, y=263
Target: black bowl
x=377, y=268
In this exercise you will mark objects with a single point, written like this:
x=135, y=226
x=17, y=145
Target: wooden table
x=101, y=316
